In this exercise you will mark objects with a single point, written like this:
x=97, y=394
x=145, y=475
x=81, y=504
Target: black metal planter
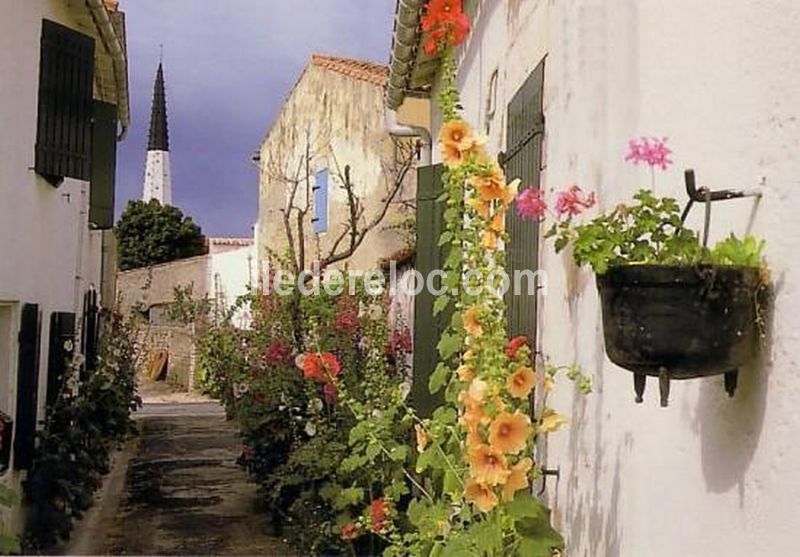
x=680, y=322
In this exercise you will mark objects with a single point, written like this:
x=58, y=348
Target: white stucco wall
x=44, y=238
x=233, y=272
x=709, y=475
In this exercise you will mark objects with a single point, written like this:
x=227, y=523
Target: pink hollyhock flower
x=650, y=151
x=531, y=204
x=573, y=201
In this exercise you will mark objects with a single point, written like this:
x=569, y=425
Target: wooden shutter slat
x=104, y=164
x=62, y=332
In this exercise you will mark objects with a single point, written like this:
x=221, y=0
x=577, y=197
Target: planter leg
x=639, y=383
x=731, y=381
x=663, y=385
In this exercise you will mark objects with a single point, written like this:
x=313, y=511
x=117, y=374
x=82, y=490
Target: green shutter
x=523, y=160
x=104, y=165
x=427, y=328
x=27, y=387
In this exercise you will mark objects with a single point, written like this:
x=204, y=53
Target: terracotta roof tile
x=358, y=69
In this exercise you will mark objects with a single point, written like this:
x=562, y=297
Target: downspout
x=108, y=33
x=404, y=41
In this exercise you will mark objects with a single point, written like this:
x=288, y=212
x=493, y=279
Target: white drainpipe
x=400, y=130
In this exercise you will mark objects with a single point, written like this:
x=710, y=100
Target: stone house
x=560, y=88
x=334, y=117
x=220, y=277
x=64, y=105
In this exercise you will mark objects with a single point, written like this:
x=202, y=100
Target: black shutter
x=66, y=75
x=523, y=160
x=62, y=345
x=91, y=316
x=27, y=387
x=104, y=165
x=429, y=256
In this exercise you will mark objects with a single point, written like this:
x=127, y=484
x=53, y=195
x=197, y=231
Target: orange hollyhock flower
x=488, y=465
x=490, y=186
x=489, y=240
x=452, y=157
x=322, y=367
x=481, y=495
x=521, y=382
x=474, y=413
x=478, y=390
x=509, y=193
x=472, y=324
x=509, y=432
x=473, y=437
x=422, y=438
x=465, y=373
x=551, y=421
x=458, y=134
x=518, y=479
x=481, y=207
x=498, y=222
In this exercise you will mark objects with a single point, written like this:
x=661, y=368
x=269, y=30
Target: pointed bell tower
x=157, y=182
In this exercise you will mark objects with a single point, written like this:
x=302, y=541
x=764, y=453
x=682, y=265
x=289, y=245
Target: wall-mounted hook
x=549, y=472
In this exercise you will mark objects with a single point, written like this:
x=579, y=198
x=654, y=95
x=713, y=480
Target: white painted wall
x=44, y=238
x=233, y=272
x=707, y=476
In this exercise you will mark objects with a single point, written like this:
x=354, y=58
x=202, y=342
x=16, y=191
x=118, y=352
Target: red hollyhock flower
x=399, y=343
x=378, y=512
x=444, y=22
x=515, y=344
x=346, y=322
x=330, y=392
x=348, y=531
x=322, y=367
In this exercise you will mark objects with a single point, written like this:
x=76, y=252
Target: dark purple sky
x=228, y=65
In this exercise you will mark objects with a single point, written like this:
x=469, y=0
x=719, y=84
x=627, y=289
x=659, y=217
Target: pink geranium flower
x=650, y=151
x=531, y=204
x=573, y=201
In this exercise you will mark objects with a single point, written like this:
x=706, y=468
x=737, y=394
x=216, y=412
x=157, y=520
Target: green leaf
x=524, y=505
x=440, y=304
x=445, y=238
x=438, y=378
x=348, y=498
x=449, y=345
x=539, y=539
x=9, y=545
x=399, y=453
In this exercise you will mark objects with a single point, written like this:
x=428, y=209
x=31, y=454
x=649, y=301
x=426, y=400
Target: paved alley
x=177, y=490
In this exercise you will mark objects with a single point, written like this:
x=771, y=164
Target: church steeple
x=159, y=133
x=157, y=181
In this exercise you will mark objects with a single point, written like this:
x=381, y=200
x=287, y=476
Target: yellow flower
x=518, y=479
x=465, y=373
x=488, y=465
x=481, y=495
x=548, y=384
x=551, y=421
x=422, y=438
x=509, y=432
x=472, y=324
x=521, y=382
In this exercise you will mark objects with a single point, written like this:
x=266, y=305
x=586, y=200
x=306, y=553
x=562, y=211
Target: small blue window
x=321, y=201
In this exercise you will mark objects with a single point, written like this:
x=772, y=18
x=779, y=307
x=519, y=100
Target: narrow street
x=177, y=490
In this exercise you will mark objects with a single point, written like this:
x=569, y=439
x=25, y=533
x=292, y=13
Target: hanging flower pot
x=680, y=322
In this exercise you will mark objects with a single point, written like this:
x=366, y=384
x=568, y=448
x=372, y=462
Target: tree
x=149, y=233
x=358, y=222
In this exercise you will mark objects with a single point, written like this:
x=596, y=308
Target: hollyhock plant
x=514, y=345
x=321, y=367
x=276, y=353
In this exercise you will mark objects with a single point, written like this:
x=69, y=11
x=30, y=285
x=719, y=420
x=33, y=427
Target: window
x=64, y=125
x=320, y=219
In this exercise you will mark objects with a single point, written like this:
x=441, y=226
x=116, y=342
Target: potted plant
x=672, y=308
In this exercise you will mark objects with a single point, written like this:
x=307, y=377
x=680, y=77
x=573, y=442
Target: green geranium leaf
x=438, y=378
